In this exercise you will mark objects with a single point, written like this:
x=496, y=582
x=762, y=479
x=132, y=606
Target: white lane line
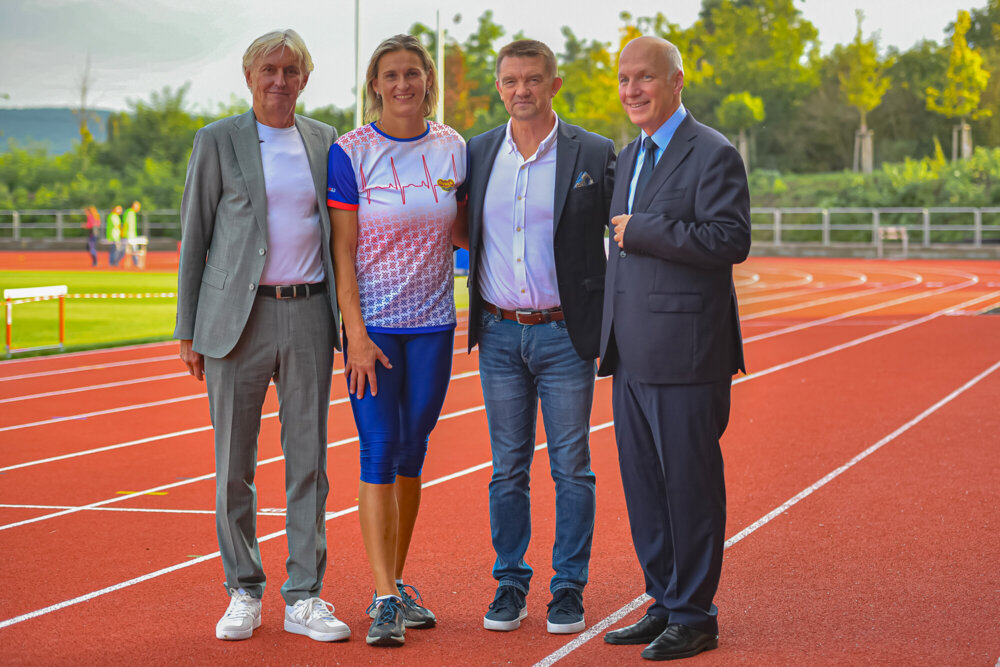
x=804, y=278
x=834, y=299
x=592, y=632
x=176, y=434
x=458, y=351
x=266, y=538
x=106, y=385
x=858, y=279
x=91, y=367
x=863, y=339
x=794, y=362
x=857, y=311
x=972, y=280
x=107, y=350
x=122, y=509
x=97, y=413
x=134, y=406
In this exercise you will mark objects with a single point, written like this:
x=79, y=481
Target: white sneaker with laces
x=314, y=618
x=242, y=616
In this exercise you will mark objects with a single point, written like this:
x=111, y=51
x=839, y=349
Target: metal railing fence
x=927, y=227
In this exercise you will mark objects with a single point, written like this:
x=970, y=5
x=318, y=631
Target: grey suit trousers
x=291, y=341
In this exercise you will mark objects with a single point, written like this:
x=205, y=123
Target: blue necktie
x=646, y=173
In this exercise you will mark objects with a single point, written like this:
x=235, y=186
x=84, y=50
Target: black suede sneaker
x=388, y=627
x=566, y=612
x=507, y=610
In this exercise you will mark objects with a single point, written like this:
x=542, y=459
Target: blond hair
x=277, y=39
x=373, y=102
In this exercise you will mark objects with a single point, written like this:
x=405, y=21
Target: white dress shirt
x=518, y=267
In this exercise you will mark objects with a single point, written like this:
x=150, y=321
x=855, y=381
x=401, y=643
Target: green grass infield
x=97, y=323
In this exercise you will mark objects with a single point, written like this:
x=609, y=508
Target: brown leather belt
x=302, y=291
x=522, y=316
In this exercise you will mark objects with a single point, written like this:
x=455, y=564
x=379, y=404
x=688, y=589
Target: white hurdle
x=13, y=297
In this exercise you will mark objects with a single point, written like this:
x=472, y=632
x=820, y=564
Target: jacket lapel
x=567, y=148
x=678, y=149
x=481, y=178
x=246, y=144
x=623, y=178
x=317, y=158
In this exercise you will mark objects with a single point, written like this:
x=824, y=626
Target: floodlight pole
x=440, y=68
x=359, y=90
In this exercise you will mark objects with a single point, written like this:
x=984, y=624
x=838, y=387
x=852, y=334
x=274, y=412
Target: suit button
x=621, y=253
x=251, y=287
x=262, y=251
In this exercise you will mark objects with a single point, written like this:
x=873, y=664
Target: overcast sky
x=138, y=46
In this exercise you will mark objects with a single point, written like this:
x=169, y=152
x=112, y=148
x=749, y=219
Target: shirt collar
x=666, y=131
x=543, y=147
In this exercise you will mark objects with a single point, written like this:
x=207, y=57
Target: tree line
x=753, y=68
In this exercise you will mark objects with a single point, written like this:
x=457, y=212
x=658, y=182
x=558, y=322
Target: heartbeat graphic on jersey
x=428, y=181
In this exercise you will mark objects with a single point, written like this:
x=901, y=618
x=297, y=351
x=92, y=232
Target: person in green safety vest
x=130, y=232
x=113, y=231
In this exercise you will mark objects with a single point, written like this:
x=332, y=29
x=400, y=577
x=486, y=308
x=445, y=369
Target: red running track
x=861, y=464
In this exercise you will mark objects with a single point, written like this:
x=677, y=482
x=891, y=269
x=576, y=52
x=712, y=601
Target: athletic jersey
x=404, y=192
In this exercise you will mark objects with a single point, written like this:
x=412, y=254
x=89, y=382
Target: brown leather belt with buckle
x=303, y=291
x=522, y=316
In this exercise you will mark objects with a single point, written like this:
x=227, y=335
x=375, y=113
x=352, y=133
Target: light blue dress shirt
x=662, y=137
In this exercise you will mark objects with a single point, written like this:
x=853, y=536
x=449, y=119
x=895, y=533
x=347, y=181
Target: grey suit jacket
x=670, y=312
x=224, y=229
x=580, y=218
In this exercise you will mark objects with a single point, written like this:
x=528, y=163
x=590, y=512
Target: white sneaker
x=241, y=618
x=314, y=618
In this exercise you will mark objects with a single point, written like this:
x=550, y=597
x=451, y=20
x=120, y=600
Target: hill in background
x=57, y=129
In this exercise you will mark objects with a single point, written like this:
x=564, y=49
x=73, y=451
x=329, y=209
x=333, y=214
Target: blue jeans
x=518, y=366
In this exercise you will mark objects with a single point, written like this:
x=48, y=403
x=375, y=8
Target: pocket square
x=583, y=180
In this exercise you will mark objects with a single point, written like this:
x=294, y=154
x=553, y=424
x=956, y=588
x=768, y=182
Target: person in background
x=255, y=303
x=92, y=225
x=113, y=235
x=392, y=198
x=130, y=231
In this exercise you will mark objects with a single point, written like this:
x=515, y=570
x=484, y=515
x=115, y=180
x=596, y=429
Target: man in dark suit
x=671, y=338
x=256, y=301
x=538, y=196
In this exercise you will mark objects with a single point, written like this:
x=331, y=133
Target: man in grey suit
x=671, y=338
x=538, y=196
x=256, y=302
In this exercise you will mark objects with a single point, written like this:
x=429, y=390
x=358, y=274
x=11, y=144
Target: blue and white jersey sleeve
x=341, y=183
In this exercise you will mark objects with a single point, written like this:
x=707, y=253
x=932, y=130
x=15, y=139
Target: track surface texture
x=862, y=476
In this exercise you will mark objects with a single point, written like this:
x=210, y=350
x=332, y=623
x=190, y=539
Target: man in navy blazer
x=671, y=338
x=539, y=191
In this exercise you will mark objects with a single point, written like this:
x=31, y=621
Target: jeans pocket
x=559, y=325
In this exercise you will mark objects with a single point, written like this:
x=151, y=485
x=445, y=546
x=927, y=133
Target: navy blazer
x=670, y=312
x=580, y=218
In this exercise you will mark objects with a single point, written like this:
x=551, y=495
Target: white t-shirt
x=294, y=237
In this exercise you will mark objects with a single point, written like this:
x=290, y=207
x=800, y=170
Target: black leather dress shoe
x=646, y=630
x=679, y=641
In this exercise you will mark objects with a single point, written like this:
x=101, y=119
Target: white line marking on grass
x=266, y=538
x=554, y=657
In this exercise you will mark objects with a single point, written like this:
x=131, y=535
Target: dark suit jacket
x=580, y=216
x=670, y=314
x=224, y=222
